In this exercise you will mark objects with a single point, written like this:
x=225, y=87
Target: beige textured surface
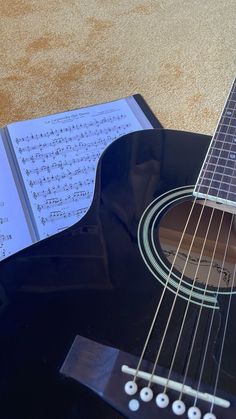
x=62, y=54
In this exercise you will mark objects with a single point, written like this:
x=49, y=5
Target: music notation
x=58, y=165
x=3, y=249
x=54, y=159
x=49, y=167
x=65, y=175
x=5, y=237
x=77, y=127
x=55, y=215
x=54, y=190
x=75, y=197
x=62, y=164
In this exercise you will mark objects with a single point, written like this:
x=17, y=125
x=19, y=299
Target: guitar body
x=92, y=280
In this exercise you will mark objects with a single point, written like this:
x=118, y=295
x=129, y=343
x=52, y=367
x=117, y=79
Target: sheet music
x=58, y=156
x=14, y=233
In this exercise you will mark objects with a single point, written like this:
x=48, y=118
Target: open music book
x=48, y=167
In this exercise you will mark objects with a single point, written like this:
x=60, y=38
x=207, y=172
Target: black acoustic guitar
x=146, y=278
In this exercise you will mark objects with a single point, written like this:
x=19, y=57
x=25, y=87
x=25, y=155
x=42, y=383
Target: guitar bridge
x=98, y=367
x=177, y=386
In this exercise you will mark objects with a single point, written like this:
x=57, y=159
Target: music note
x=58, y=155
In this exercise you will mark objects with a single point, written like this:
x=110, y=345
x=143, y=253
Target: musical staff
x=56, y=215
x=75, y=197
x=62, y=164
x=14, y=232
x=54, y=190
x=77, y=127
x=58, y=156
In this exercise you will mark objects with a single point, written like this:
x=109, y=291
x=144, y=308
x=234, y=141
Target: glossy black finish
x=91, y=280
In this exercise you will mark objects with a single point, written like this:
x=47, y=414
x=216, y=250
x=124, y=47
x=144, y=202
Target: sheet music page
x=14, y=233
x=58, y=156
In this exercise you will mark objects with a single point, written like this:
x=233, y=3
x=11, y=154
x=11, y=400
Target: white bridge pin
x=134, y=405
x=162, y=400
x=178, y=407
x=209, y=416
x=146, y=394
x=194, y=413
x=131, y=388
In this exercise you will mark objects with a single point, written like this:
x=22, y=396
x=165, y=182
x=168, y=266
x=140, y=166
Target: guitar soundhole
x=199, y=257
x=202, y=266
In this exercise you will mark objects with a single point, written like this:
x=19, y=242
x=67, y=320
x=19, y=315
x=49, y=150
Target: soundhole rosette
x=157, y=263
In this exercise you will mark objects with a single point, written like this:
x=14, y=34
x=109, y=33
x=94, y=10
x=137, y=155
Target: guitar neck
x=217, y=178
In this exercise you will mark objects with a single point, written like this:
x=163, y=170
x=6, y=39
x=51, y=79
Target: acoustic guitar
x=136, y=302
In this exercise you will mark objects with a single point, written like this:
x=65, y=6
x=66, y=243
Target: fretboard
x=217, y=179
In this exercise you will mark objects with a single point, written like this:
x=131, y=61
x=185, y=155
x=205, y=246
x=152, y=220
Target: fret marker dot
x=131, y=388
x=228, y=113
x=162, y=400
x=209, y=416
x=194, y=413
x=178, y=407
x=146, y=394
x=134, y=405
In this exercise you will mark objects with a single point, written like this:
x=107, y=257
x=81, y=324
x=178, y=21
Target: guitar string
x=187, y=258
x=189, y=300
x=175, y=298
x=163, y=294
x=230, y=295
x=213, y=311
x=160, y=302
x=164, y=290
x=223, y=339
x=210, y=268
x=199, y=316
x=167, y=325
x=165, y=287
x=232, y=284
x=217, y=292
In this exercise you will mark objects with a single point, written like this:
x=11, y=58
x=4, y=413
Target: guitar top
x=103, y=278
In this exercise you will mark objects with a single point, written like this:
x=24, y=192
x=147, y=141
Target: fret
x=218, y=177
x=228, y=134
x=217, y=184
x=218, y=174
x=223, y=154
x=229, y=112
x=225, y=193
x=226, y=130
x=229, y=124
x=220, y=196
x=232, y=148
x=220, y=170
x=233, y=95
x=227, y=145
x=223, y=161
x=227, y=118
x=228, y=178
x=226, y=142
x=230, y=107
